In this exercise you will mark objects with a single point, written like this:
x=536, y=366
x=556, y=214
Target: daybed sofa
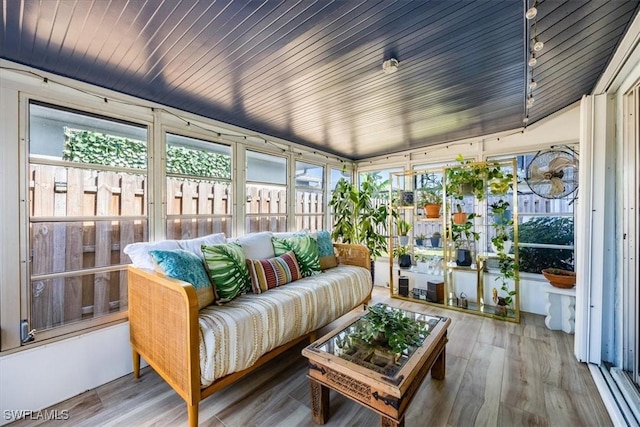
x=199, y=351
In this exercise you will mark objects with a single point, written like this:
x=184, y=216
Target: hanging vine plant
x=499, y=185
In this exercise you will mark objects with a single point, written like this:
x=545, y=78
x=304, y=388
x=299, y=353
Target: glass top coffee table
x=370, y=374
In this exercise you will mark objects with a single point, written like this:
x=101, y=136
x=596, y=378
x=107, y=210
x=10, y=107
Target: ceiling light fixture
x=390, y=66
x=537, y=45
x=532, y=12
x=533, y=84
x=530, y=101
x=533, y=61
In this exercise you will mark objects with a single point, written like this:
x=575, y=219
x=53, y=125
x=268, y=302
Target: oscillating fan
x=553, y=174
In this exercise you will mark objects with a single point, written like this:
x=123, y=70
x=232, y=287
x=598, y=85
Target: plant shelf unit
x=489, y=284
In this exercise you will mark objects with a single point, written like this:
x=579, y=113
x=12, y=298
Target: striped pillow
x=273, y=272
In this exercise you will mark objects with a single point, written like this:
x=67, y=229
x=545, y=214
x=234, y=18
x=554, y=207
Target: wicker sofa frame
x=163, y=323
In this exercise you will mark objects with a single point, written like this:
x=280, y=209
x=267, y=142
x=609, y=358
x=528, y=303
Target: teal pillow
x=228, y=270
x=188, y=267
x=325, y=245
x=305, y=249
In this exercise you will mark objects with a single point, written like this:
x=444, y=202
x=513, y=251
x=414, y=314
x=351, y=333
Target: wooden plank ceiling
x=311, y=71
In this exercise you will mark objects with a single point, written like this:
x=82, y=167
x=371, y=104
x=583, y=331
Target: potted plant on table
x=420, y=239
x=387, y=328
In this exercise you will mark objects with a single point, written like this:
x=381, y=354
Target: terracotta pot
x=560, y=278
x=432, y=211
x=459, y=218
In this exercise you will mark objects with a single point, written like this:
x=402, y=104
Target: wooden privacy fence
x=266, y=208
x=197, y=208
x=309, y=210
x=81, y=220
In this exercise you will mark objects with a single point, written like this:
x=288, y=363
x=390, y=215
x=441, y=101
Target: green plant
x=398, y=251
x=360, y=215
x=421, y=237
x=436, y=234
x=403, y=227
x=472, y=177
x=430, y=189
x=549, y=230
x=391, y=328
x=461, y=233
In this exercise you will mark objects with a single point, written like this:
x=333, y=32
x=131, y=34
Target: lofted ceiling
x=311, y=71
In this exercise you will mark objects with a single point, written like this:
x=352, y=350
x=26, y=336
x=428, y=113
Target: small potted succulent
x=420, y=239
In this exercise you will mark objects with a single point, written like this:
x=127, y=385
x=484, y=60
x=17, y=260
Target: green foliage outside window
x=546, y=230
x=100, y=149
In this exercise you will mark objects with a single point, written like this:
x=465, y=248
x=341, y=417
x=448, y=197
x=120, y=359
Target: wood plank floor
x=498, y=374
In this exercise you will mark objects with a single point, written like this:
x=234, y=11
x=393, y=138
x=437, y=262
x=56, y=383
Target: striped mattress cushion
x=235, y=335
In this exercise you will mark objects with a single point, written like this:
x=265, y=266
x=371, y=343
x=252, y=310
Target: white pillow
x=139, y=252
x=257, y=245
x=195, y=245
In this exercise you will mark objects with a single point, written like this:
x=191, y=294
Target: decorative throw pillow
x=325, y=250
x=273, y=272
x=306, y=250
x=188, y=267
x=228, y=271
x=139, y=252
x=195, y=245
x=257, y=245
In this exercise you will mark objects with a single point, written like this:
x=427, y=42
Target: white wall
x=37, y=377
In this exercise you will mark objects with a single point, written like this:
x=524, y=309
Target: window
x=309, y=197
x=266, y=193
x=198, y=187
x=87, y=201
x=545, y=226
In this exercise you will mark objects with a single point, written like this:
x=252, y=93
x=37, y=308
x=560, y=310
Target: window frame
x=164, y=175
x=320, y=217
x=527, y=274
x=286, y=187
x=23, y=310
